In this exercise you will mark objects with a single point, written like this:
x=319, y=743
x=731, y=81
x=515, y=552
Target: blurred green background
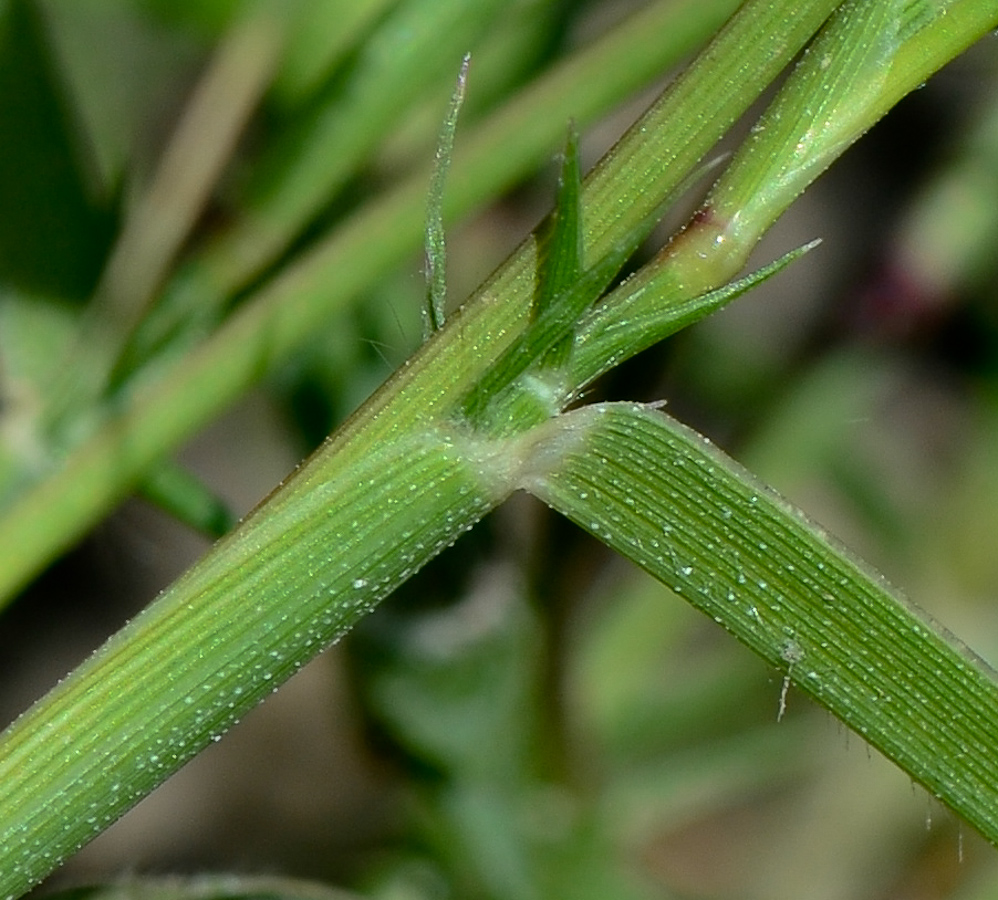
x=530, y=716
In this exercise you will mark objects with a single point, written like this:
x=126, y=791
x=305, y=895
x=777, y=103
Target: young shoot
x=436, y=251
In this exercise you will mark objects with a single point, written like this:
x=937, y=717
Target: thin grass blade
x=647, y=309
x=560, y=252
x=548, y=343
x=436, y=241
x=664, y=497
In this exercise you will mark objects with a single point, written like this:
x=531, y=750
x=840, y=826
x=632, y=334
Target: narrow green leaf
x=560, y=296
x=436, y=242
x=559, y=252
x=552, y=325
x=206, y=887
x=663, y=496
x=647, y=309
x=559, y=303
x=183, y=495
x=635, y=316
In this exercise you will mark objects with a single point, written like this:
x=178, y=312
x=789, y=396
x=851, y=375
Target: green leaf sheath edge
x=666, y=498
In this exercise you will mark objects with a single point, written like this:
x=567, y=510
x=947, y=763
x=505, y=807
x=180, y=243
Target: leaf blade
x=435, y=241
x=663, y=496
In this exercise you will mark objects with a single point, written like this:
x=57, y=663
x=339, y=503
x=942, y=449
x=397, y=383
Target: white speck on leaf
x=792, y=653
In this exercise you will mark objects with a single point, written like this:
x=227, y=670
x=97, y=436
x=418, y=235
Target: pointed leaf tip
x=435, y=240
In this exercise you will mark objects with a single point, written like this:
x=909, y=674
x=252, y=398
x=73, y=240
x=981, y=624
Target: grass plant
x=495, y=401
